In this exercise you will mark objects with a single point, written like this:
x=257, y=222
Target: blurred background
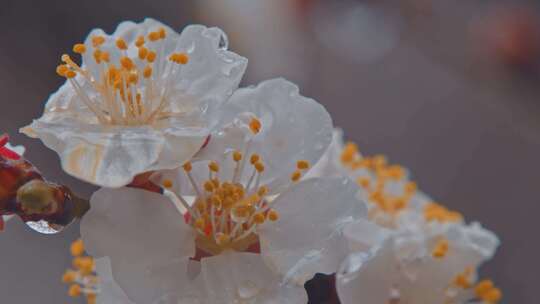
x=447, y=88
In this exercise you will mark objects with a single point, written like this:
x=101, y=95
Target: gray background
x=469, y=133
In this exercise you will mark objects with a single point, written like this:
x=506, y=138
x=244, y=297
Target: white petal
x=294, y=127
x=329, y=164
x=145, y=238
x=111, y=156
x=367, y=278
x=234, y=277
x=109, y=291
x=364, y=235
x=213, y=73
x=307, y=239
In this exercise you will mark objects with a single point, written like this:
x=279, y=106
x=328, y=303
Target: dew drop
x=44, y=227
x=247, y=290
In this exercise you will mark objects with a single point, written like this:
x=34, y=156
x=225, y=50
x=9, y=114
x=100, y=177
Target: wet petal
x=144, y=236
x=244, y=278
x=294, y=128
x=307, y=238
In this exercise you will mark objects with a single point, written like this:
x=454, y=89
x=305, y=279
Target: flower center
x=227, y=210
x=136, y=88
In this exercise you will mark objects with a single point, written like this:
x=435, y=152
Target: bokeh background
x=447, y=88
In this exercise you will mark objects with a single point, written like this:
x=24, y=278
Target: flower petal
x=145, y=238
x=109, y=291
x=367, y=278
x=307, y=239
x=234, y=277
x=294, y=127
x=111, y=156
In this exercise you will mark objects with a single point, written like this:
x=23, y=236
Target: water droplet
x=247, y=290
x=44, y=227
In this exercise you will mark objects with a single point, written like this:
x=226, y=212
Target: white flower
x=412, y=250
x=248, y=198
x=145, y=98
x=419, y=262
x=149, y=243
x=231, y=277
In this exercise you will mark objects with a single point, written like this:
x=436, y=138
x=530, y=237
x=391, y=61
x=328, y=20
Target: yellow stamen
x=255, y=125
x=147, y=73
x=259, y=166
x=127, y=63
x=69, y=276
x=441, y=249
x=162, y=33
x=237, y=156
x=143, y=52
x=121, y=44
x=302, y=164
x=74, y=291
x=153, y=36
x=151, y=57
x=296, y=176
x=105, y=56
x=167, y=183
x=273, y=215
x=187, y=167
x=140, y=41
x=259, y=218
x=77, y=248
x=79, y=48
x=254, y=159
x=62, y=70
x=213, y=166
x=98, y=40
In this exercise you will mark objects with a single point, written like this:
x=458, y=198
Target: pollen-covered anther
x=154, y=36
x=213, y=166
x=441, y=249
x=486, y=291
x=98, y=41
x=187, y=167
x=255, y=125
x=167, y=183
x=296, y=176
x=259, y=166
x=140, y=41
x=77, y=248
x=273, y=215
x=364, y=182
x=463, y=280
x=79, y=48
x=349, y=153
x=82, y=279
x=147, y=72
x=302, y=165
x=121, y=44
x=179, y=58
x=142, y=53
x=127, y=63
x=62, y=70
x=254, y=159
x=74, y=291
x=237, y=156
x=151, y=57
